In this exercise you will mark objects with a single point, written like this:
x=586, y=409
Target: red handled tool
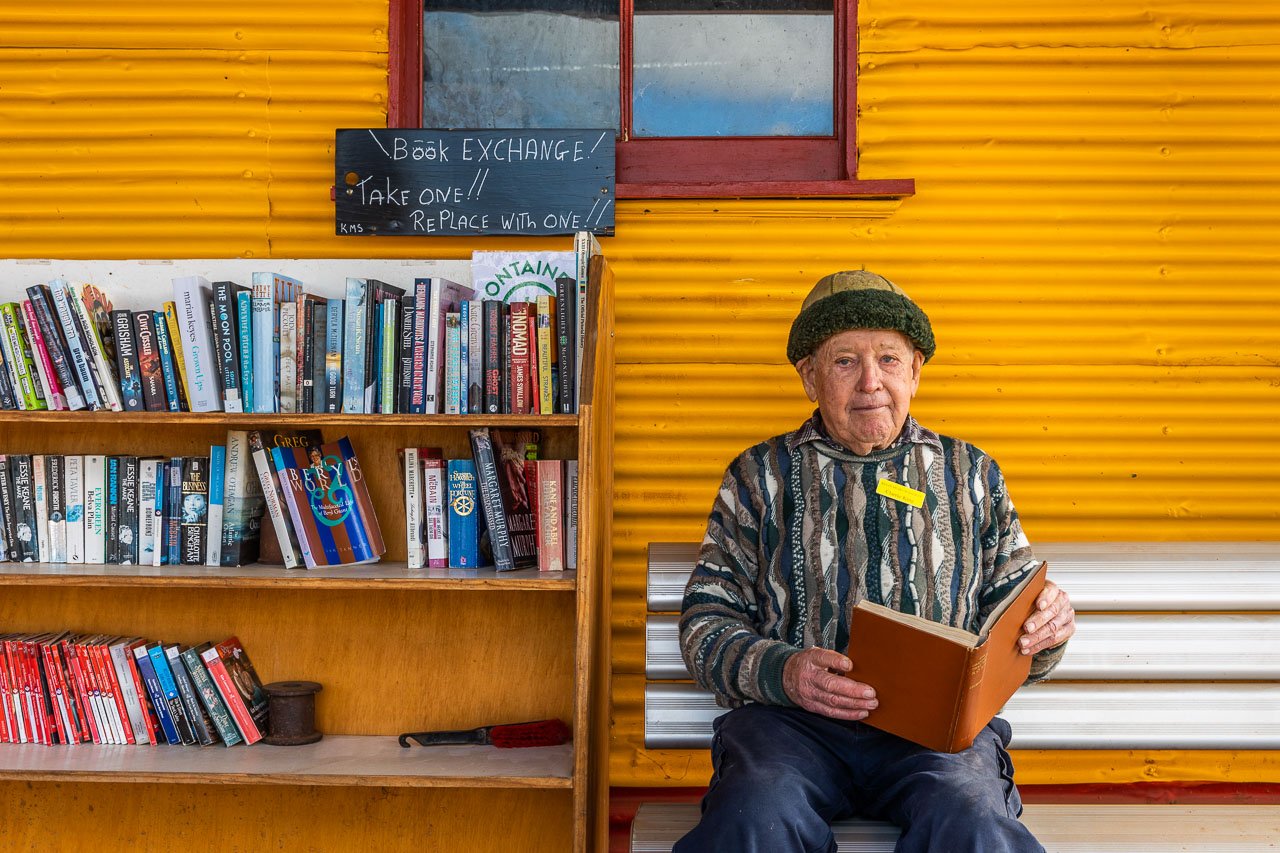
x=537, y=733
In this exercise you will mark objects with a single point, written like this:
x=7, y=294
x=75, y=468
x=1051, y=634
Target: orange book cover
x=938, y=685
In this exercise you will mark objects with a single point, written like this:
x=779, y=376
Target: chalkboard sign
x=417, y=183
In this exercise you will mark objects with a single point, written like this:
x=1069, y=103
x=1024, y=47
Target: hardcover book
x=328, y=499
x=490, y=495
x=938, y=685
x=418, y=343
x=404, y=355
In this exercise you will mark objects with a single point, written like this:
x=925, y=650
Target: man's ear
x=807, y=370
x=917, y=362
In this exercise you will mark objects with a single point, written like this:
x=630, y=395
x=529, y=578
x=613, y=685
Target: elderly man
x=798, y=535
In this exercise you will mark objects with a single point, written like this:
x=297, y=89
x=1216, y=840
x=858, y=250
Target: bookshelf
x=395, y=650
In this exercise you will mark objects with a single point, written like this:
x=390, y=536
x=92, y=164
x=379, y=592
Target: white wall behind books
x=137, y=284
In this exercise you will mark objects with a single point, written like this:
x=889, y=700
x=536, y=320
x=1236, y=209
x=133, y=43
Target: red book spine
x=36, y=339
x=550, y=488
x=35, y=693
x=230, y=695
x=30, y=680
x=85, y=688
x=17, y=696
x=521, y=358
x=61, y=725
x=98, y=688
x=76, y=730
x=116, y=690
x=148, y=715
x=76, y=690
x=9, y=730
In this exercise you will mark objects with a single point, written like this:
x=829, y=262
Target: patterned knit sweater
x=798, y=536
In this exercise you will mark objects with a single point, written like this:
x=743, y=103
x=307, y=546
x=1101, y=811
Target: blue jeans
x=782, y=775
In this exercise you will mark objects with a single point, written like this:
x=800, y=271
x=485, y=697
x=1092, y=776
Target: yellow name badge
x=900, y=493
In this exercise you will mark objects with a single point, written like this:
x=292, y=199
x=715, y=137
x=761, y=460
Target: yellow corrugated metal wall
x=1092, y=236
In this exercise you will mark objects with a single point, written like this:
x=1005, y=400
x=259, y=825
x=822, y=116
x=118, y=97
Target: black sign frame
x=423, y=183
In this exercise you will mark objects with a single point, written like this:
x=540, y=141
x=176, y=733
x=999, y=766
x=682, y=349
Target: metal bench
x=1155, y=664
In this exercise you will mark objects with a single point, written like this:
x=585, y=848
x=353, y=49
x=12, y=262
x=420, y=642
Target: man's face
x=863, y=381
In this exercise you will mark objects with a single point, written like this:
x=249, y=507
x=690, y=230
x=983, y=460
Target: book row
x=510, y=345
x=65, y=688
x=503, y=507
x=192, y=510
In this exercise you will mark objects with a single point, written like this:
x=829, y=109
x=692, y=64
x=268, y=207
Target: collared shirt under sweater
x=798, y=535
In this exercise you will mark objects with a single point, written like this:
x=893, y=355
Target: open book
x=938, y=685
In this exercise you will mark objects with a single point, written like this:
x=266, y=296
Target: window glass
x=520, y=63
x=733, y=68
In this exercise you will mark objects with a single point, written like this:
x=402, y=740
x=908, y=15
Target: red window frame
x=691, y=167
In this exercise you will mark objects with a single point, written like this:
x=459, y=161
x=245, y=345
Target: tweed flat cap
x=857, y=299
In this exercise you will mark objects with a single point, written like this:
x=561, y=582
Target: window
x=708, y=97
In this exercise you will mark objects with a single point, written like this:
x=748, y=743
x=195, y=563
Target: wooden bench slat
x=1182, y=647
x=1146, y=576
x=1051, y=716
x=1060, y=828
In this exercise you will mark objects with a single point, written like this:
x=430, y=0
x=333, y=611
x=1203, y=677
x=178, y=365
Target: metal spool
x=291, y=710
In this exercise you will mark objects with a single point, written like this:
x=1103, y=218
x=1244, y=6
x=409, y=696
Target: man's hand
x=813, y=681
x=1053, y=622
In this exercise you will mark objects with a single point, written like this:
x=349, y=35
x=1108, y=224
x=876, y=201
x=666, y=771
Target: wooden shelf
x=373, y=576
x=299, y=420
x=335, y=760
